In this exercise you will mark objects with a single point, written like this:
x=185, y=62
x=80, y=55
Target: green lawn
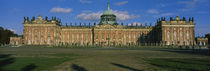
x=37, y=63
x=181, y=64
x=102, y=59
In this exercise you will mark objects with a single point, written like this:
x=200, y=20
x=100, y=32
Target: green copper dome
x=108, y=17
x=108, y=11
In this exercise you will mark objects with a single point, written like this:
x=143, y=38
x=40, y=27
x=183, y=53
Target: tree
x=5, y=35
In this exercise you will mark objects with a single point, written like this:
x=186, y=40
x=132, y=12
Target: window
x=96, y=36
x=48, y=40
x=29, y=37
x=77, y=36
x=181, y=38
x=187, y=35
x=134, y=36
x=68, y=35
x=129, y=37
x=119, y=35
x=63, y=36
x=175, y=35
x=168, y=36
x=102, y=36
x=72, y=38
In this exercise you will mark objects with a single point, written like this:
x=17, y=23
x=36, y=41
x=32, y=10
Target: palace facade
x=108, y=32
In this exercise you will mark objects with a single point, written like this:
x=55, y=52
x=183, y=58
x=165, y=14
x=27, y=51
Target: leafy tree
x=5, y=35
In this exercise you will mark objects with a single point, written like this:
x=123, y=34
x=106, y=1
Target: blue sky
x=85, y=11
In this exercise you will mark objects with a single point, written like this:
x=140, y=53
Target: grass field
x=102, y=59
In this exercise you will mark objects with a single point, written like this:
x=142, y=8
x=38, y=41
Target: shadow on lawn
x=5, y=60
x=78, y=68
x=29, y=67
x=126, y=67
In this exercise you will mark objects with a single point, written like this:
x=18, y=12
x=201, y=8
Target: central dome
x=108, y=17
x=108, y=11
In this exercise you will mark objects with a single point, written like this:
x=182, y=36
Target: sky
x=12, y=12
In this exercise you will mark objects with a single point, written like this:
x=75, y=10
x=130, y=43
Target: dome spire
x=108, y=6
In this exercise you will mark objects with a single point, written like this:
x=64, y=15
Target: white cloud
x=61, y=10
x=124, y=15
x=189, y=5
x=121, y=15
x=85, y=1
x=13, y=30
x=153, y=11
x=90, y=16
x=121, y=3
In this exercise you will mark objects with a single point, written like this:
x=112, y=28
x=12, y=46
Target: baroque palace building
x=108, y=32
